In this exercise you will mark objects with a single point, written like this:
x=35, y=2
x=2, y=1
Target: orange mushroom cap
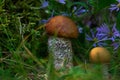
x=62, y=26
x=100, y=55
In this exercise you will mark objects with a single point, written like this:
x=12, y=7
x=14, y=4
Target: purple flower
x=80, y=29
x=106, y=32
x=103, y=30
x=115, y=7
x=79, y=11
x=116, y=45
x=115, y=32
x=96, y=38
x=45, y=4
x=61, y=1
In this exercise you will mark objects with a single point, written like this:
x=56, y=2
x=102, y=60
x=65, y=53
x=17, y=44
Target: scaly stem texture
x=61, y=50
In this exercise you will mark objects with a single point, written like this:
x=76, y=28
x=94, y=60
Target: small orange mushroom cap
x=100, y=55
x=62, y=26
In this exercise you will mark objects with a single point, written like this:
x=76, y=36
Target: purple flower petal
x=80, y=29
x=96, y=38
x=61, y=1
x=89, y=38
x=43, y=21
x=114, y=7
x=116, y=45
x=118, y=1
x=44, y=4
x=117, y=9
x=79, y=11
x=116, y=33
x=103, y=29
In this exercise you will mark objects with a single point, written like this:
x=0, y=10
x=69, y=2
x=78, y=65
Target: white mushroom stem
x=105, y=71
x=61, y=50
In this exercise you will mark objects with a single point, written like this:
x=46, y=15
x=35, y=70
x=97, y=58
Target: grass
x=23, y=47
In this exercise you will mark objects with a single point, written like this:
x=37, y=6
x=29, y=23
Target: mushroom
x=101, y=55
x=60, y=29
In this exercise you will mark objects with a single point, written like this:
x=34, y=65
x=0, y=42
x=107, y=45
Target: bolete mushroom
x=101, y=55
x=60, y=29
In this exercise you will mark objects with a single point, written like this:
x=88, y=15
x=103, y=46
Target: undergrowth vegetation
x=23, y=40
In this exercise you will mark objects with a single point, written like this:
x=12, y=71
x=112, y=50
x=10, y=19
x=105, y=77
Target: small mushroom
x=101, y=55
x=60, y=29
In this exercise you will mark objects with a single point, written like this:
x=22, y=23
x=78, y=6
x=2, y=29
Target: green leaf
x=70, y=4
x=118, y=21
x=100, y=4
